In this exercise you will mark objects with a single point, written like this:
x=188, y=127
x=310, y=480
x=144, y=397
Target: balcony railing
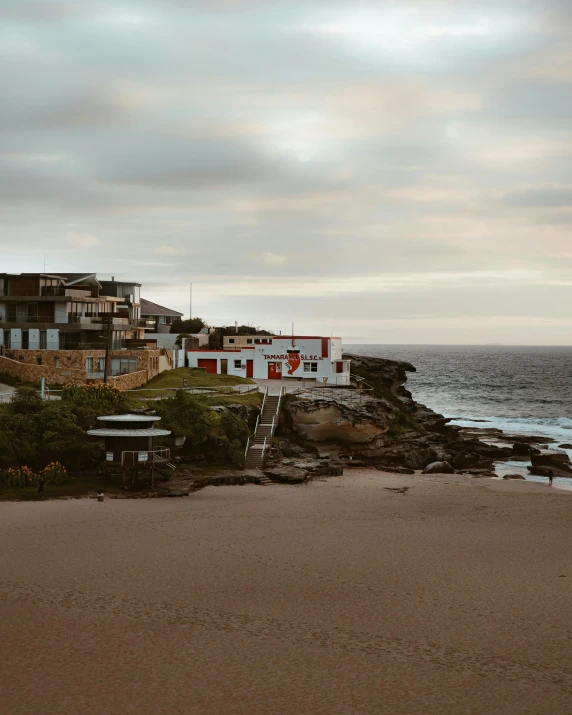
x=100, y=319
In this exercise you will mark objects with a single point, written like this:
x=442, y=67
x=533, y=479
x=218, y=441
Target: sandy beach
x=345, y=596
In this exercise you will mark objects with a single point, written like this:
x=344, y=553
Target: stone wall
x=131, y=381
x=69, y=366
x=14, y=368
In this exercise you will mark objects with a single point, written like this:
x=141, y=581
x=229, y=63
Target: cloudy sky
x=392, y=172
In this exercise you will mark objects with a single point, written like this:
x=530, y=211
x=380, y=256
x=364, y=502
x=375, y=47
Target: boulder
x=513, y=476
x=523, y=448
x=565, y=446
x=552, y=460
x=543, y=471
x=439, y=468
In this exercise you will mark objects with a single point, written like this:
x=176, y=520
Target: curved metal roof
x=129, y=418
x=149, y=432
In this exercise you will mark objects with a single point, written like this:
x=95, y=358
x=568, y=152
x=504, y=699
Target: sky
x=389, y=172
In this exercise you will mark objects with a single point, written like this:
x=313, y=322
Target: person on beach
x=41, y=487
x=550, y=475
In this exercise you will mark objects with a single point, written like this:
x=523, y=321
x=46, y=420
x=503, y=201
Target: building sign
x=287, y=357
x=109, y=456
x=143, y=456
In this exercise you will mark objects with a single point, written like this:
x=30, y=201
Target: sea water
x=521, y=390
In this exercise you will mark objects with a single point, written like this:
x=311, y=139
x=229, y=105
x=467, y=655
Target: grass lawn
x=195, y=378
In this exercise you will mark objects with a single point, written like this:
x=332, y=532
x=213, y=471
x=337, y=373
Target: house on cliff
x=276, y=357
x=59, y=326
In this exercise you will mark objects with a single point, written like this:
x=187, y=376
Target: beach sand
x=341, y=596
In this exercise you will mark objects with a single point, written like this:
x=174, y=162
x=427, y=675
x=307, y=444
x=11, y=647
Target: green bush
x=99, y=395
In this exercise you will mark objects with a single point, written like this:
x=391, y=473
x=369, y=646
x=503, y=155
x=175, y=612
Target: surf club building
x=276, y=358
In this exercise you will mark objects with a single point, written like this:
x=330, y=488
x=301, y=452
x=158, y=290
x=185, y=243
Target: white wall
x=34, y=339
x=15, y=338
x=262, y=355
x=53, y=339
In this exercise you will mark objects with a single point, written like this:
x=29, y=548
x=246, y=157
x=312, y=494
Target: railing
x=155, y=456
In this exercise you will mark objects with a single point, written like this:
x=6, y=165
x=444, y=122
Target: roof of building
x=129, y=418
x=110, y=432
x=78, y=278
x=149, y=308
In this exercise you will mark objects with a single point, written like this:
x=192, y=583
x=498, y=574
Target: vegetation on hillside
x=194, y=325
x=216, y=337
x=35, y=434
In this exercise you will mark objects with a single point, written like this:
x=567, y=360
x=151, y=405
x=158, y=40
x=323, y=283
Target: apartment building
x=60, y=324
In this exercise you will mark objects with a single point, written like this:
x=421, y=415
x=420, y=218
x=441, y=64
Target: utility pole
x=107, y=349
x=190, y=301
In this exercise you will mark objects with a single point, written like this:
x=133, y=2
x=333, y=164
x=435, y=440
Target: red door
x=274, y=370
x=250, y=368
x=209, y=365
x=339, y=367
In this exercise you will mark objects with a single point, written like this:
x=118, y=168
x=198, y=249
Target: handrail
x=160, y=453
x=263, y=451
x=257, y=422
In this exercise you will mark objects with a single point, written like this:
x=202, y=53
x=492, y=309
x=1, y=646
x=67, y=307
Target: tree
x=26, y=401
x=194, y=325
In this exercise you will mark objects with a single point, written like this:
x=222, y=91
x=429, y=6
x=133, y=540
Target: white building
x=276, y=358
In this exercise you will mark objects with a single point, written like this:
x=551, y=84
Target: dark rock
x=552, y=460
x=513, y=476
x=565, y=446
x=291, y=475
x=439, y=468
x=544, y=471
x=395, y=470
x=524, y=448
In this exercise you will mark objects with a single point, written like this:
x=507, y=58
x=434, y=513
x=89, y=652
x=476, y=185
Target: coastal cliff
x=379, y=424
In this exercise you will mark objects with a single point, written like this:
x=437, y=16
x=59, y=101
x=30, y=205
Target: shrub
x=19, y=477
x=55, y=473
x=97, y=395
x=26, y=401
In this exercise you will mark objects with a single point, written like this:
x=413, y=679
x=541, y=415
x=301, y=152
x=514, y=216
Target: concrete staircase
x=264, y=431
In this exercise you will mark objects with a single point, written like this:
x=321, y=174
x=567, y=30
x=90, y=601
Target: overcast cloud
x=390, y=172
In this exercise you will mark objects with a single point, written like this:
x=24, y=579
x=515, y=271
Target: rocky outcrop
x=381, y=424
x=513, y=476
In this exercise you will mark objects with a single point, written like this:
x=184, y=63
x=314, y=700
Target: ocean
x=522, y=390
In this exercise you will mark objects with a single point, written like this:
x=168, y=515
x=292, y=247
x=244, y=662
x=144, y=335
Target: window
x=230, y=340
x=257, y=340
x=43, y=339
x=56, y=361
x=310, y=367
x=101, y=364
x=39, y=359
x=238, y=364
x=249, y=341
x=89, y=364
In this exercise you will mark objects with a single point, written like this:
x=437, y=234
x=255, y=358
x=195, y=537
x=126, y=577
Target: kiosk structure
x=129, y=444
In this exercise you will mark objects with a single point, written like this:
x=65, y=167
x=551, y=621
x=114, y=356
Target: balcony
x=119, y=319
x=144, y=323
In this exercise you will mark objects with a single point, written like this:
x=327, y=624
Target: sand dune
x=344, y=596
